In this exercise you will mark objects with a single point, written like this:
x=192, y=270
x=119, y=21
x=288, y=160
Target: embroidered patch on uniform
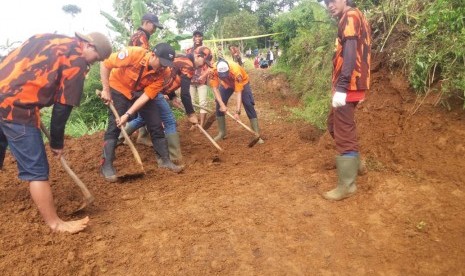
x=122, y=54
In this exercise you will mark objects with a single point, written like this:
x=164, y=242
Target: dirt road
x=259, y=211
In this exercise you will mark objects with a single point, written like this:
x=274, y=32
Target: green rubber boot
x=161, y=149
x=174, y=147
x=221, y=128
x=144, y=138
x=347, y=170
x=254, y=124
x=107, y=170
x=129, y=130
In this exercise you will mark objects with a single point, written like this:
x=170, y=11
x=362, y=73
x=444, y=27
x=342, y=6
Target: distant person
x=256, y=62
x=197, y=39
x=248, y=53
x=255, y=52
x=236, y=54
x=270, y=57
x=198, y=84
x=229, y=78
x=263, y=63
x=46, y=70
x=141, y=38
x=148, y=27
x=350, y=81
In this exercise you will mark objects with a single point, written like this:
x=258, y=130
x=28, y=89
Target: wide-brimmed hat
x=99, y=41
x=165, y=53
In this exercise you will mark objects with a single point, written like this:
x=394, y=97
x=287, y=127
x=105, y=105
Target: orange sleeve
x=214, y=81
x=238, y=78
x=157, y=85
x=351, y=25
x=126, y=57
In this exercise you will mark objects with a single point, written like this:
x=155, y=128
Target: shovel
x=257, y=136
x=125, y=134
x=88, y=197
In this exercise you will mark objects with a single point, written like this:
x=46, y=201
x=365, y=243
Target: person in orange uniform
x=180, y=77
x=228, y=78
x=141, y=38
x=46, y=70
x=131, y=79
x=149, y=25
x=350, y=81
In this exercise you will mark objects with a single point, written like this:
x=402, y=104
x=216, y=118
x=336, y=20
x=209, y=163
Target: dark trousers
x=247, y=100
x=149, y=112
x=341, y=126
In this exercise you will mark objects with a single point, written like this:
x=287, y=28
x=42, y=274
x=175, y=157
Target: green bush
x=307, y=45
x=436, y=49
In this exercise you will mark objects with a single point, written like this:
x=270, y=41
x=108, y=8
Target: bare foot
x=72, y=227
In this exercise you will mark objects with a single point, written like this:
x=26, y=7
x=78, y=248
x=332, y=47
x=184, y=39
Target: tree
x=201, y=14
x=248, y=26
x=71, y=9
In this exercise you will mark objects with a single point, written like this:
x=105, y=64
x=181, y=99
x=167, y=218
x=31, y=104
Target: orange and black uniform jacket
x=126, y=66
x=45, y=70
x=236, y=80
x=181, y=76
x=140, y=38
x=353, y=53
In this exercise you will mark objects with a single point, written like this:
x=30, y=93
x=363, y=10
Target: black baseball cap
x=165, y=53
x=197, y=32
x=152, y=18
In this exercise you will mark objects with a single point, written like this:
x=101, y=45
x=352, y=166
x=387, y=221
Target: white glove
x=339, y=99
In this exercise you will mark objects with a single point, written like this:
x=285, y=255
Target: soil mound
x=259, y=210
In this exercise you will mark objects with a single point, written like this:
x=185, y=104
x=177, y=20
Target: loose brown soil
x=259, y=211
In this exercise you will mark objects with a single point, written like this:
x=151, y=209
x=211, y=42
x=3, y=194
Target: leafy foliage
x=436, y=49
x=71, y=9
x=307, y=43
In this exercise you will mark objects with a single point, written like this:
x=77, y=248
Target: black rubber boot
x=161, y=148
x=107, y=169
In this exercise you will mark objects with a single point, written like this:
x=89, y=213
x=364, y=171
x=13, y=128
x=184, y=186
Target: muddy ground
x=259, y=211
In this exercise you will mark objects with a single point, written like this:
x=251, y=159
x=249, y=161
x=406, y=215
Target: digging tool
x=88, y=197
x=125, y=134
x=257, y=136
x=210, y=120
x=209, y=137
x=206, y=133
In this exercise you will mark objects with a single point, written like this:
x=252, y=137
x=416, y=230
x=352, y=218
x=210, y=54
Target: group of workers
x=49, y=70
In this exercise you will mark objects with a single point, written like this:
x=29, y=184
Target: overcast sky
x=20, y=19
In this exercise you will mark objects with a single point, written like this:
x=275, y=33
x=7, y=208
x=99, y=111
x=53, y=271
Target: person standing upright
x=148, y=27
x=350, y=82
x=199, y=85
x=141, y=38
